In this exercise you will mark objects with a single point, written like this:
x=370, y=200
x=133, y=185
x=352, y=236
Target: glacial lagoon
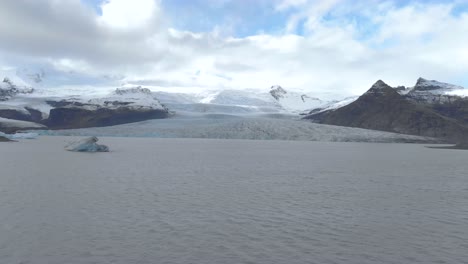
x=232, y=201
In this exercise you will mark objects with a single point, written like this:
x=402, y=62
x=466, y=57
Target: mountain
x=383, y=108
x=21, y=103
x=248, y=101
x=433, y=92
x=443, y=98
x=122, y=106
x=293, y=101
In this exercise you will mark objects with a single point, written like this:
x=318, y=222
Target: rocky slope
x=383, y=108
x=443, y=98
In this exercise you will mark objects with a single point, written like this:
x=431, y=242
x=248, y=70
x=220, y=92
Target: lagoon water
x=232, y=201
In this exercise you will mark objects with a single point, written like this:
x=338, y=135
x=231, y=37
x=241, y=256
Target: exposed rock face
x=87, y=145
x=15, y=113
x=437, y=96
x=277, y=92
x=8, y=89
x=20, y=113
x=383, y=108
x=430, y=85
x=462, y=145
x=457, y=108
x=4, y=139
x=432, y=92
x=400, y=89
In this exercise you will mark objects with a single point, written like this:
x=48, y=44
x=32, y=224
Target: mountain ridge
x=384, y=108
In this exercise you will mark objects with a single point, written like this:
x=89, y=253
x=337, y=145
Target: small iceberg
x=87, y=145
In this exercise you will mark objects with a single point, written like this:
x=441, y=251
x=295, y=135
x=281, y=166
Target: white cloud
x=124, y=14
x=413, y=22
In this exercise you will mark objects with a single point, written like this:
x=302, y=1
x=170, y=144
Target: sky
x=327, y=47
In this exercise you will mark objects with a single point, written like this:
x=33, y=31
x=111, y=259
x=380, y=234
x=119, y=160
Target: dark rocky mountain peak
x=277, y=92
x=420, y=81
x=380, y=85
x=383, y=108
x=381, y=88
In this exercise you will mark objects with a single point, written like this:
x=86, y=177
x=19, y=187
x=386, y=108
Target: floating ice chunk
x=87, y=145
x=19, y=135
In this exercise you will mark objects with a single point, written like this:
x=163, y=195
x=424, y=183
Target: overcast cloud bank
x=322, y=46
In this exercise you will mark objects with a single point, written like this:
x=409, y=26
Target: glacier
x=254, y=127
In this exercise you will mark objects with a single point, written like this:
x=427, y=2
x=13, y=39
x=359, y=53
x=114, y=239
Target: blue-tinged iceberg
x=87, y=145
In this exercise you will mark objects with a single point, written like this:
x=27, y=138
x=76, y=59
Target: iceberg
x=87, y=145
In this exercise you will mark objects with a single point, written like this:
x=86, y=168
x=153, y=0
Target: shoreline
x=40, y=137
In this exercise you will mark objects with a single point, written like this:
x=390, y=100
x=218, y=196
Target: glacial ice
x=87, y=145
x=20, y=135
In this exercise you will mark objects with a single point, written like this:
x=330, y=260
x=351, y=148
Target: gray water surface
x=233, y=201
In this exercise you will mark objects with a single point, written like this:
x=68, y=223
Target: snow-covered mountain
x=134, y=98
x=50, y=82
x=75, y=107
x=431, y=91
x=424, y=92
x=277, y=99
x=426, y=109
x=435, y=86
x=293, y=101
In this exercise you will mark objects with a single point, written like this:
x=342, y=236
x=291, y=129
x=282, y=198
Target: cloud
x=330, y=47
x=285, y=4
x=128, y=15
x=57, y=30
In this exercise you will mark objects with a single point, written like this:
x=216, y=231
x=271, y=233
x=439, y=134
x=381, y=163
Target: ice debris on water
x=87, y=145
x=20, y=135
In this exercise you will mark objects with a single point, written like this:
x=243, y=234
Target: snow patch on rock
x=432, y=92
x=435, y=86
x=134, y=98
x=334, y=105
